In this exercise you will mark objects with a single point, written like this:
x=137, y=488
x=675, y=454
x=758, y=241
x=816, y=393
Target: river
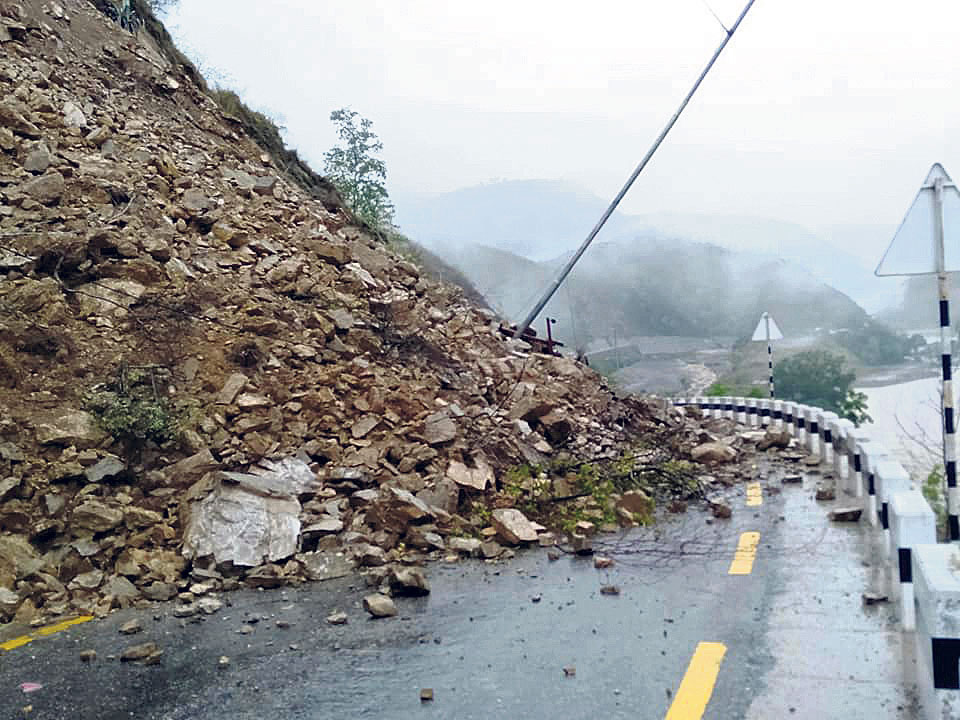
x=906, y=418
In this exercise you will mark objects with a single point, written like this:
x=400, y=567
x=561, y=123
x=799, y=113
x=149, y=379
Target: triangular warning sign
x=767, y=328
x=914, y=249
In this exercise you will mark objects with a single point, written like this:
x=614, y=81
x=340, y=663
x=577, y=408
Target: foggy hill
x=656, y=286
x=919, y=307
x=540, y=219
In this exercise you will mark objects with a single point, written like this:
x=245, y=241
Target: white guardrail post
x=789, y=423
x=841, y=461
x=740, y=408
x=800, y=423
x=813, y=430
x=890, y=478
x=872, y=453
x=926, y=575
x=937, y=599
x=826, y=435
x=764, y=412
x=777, y=413
x=855, y=460
x=912, y=523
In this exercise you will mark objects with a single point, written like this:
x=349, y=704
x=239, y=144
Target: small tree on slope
x=355, y=171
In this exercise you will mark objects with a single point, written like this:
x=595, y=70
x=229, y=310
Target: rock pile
x=333, y=407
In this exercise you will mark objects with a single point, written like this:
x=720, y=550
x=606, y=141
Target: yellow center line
x=16, y=642
x=745, y=554
x=697, y=685
x=754, y=494
x=43, y=632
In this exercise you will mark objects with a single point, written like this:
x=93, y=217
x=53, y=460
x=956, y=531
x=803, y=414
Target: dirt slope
x=162, y=281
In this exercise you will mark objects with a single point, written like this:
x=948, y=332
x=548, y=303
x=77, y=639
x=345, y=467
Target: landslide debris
x=210, y=376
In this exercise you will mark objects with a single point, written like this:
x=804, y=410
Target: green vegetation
x=934, y=490
x=132, y=411
x=267, y=134
x=820, y=378
x=564, y=492
x=719, y=389
x=355, y=170
x=873, y=343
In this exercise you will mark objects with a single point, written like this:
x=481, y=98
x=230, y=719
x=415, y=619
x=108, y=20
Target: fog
x=820, y=113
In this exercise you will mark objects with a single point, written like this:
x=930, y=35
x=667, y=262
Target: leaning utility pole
x=522, y=327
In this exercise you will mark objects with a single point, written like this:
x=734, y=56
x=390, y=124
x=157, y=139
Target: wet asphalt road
x=799, y=644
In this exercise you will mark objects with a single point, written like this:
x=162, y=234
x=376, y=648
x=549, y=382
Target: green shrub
x=133, y=419
x=132, y=411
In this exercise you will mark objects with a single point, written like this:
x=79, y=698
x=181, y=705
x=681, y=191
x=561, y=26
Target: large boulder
x=475, y=478
x=395, y=509
x=251, y=518
x=18, y=559
x=9, y=601
x=72, y=428
x=513, y=527
x=47, y=189
x=439, y=428
x=713, y=452
x=235, y=525
x=379, y=606
x=444, y=494
x=775, y=439
x=636, y=502
x=408, y=581
x=96, y=516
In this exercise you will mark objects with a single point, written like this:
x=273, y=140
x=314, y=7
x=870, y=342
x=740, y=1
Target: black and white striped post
x=949, y=420
x=770, y=365
x=911, y=252
x=767, y=330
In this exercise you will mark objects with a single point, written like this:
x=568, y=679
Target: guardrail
x=923, y=575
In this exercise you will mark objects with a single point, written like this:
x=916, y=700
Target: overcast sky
x=819, y=112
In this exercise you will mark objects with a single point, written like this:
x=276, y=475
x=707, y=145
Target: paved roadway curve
x=787, y=639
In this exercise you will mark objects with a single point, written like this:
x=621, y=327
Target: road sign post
x=767, y=330
x=919, y=247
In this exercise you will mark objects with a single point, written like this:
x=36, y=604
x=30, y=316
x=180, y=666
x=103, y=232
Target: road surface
x=699, y=629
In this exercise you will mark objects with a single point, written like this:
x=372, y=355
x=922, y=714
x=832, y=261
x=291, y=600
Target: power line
x=636, y=173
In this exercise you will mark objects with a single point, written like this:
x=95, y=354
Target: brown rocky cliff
x=142, y=232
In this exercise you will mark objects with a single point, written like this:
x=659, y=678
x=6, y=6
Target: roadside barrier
x=923, y=576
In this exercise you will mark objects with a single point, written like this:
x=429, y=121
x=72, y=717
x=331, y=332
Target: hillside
x=651, y=286
x=210, y=374
x=540, y=220
x=919, y=308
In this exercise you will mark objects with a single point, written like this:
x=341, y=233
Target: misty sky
x=820, y=111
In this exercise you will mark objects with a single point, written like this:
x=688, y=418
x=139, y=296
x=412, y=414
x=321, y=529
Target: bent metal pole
x=522, y=327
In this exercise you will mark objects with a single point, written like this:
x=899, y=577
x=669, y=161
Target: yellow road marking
x=44, y=632
x=697, y=685
x=754, y=494
x=16, y=642
x=745, y=554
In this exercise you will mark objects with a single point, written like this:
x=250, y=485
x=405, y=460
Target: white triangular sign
x=913, y=250
x=762, y=329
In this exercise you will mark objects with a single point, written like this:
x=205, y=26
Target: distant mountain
x=652, y=286
x=536, y=219
x=540, y=219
